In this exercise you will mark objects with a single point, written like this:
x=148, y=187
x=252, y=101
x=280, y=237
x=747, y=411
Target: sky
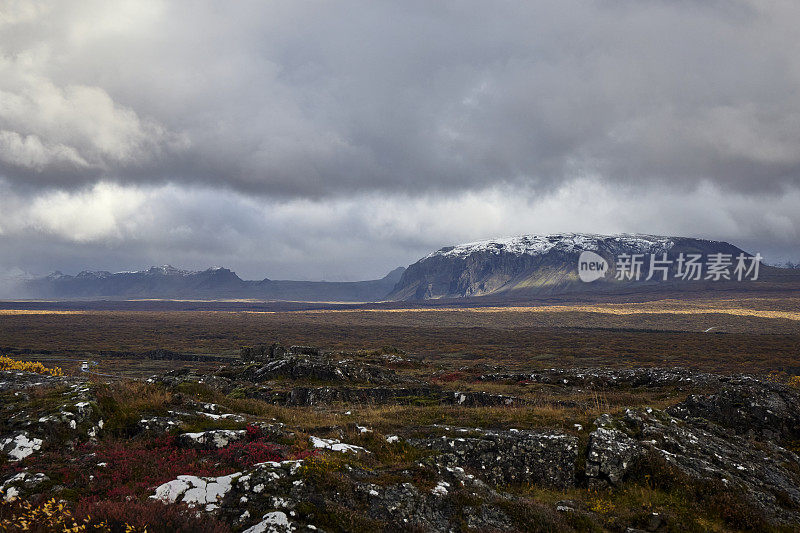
x=339, y=140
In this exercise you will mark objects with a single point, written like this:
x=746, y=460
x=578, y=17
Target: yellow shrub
x=7, y=363
x=602, y=506
x=794, y=381
x=49, y=516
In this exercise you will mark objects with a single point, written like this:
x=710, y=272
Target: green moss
x=329, y=516
x=238, y=393
x=198, y=391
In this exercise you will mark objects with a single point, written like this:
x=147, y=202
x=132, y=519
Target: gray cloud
x=118, y=228
x=339, y=140
x=318, y=99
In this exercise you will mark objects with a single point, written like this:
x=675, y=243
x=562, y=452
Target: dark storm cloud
x=339, y=140
x=314, y=99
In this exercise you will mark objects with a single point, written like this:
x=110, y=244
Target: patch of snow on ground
x=194, y=491
x=20, y=447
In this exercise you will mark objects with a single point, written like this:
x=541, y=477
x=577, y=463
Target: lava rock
x=757, y=409
x=610, y=454
x=217, y=438
x=504, y=457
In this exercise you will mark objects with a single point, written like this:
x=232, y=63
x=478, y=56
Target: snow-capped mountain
x=562, y=242
x=534, y=265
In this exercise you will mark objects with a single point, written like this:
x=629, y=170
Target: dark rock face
x=262, y=352
x=319, y=368
x=365, y=396
x=610, y=454
x=480, y=399
x=305, y=350
x=505, y=457
x=408, y=507
x=753, y=408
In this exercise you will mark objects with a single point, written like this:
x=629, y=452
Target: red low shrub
x=253, y=432
x=132, y=468
x=450, y=376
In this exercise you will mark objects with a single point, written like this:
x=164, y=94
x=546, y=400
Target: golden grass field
x=757, y=334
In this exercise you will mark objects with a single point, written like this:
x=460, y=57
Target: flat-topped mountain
x=542, y=265
x=523, y=267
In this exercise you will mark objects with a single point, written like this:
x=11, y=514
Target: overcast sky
x=338, y=140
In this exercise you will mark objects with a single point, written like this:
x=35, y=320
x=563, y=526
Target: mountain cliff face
x=537, y=265
x=213, y=283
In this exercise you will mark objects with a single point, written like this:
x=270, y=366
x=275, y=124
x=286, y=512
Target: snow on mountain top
x=563, y=242
x=163, y=270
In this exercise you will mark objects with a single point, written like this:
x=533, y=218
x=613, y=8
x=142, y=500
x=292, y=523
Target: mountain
x=546, y=265
x=214, y=283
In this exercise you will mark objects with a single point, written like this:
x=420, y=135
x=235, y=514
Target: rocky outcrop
x=766, y=475
x=21, y=484
x=610, y=454
x=262, y=352
x=506, y=457
x=608, y=378
x=243, y=496
x=408, y=507
x=733, y=443
x=217, y=438
x=288, y=496
x=67, y=415
x=753, y=408
x=319, y=368
x=335, y=445
x=305, y=350
x=18, y=381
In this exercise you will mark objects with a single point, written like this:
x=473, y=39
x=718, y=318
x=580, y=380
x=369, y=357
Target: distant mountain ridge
x=503, y=269
x=540, y=265
x=213, y=283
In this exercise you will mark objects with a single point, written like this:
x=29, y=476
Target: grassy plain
x=756, y=334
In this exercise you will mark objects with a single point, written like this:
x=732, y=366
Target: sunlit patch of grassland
x=659, y=307
x=40, y=312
